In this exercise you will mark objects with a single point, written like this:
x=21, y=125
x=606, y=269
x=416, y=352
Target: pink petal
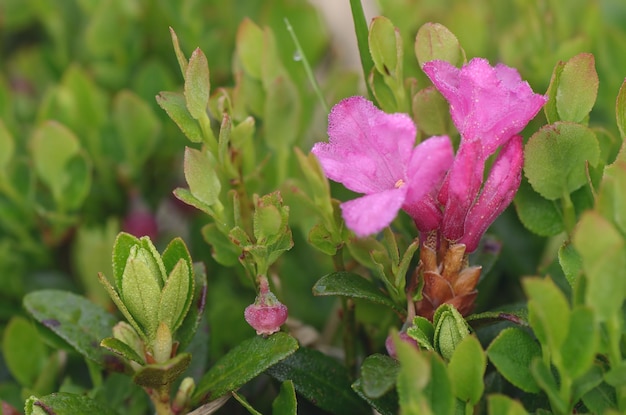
x=463, y=184
x=487, y=103
x=368, y=149
x=428, y=166
x=426, y=213
x=369, y=214
x=498, y=192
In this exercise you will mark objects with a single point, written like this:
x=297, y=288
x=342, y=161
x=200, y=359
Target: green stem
x=349, y=335
x=307, y=67
x=207, y=134
x=362, y=34
x=161, y=400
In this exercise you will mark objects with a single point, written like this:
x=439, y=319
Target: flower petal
x=487, y=103
x=498, y=192
x=371, y=213
x=368, y=149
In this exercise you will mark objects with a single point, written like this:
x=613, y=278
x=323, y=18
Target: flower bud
x=267, y=314
x=403, y=336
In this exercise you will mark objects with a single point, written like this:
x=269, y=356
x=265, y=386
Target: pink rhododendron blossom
x=489, y=106
x=487, y=103
x=374, y=153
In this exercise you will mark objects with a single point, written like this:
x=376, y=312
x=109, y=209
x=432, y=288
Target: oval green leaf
x=66, y=404
x=512, y=352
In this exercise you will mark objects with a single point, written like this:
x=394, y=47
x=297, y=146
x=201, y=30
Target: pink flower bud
x=267, y=314
x=391, y=347
x=139, y=221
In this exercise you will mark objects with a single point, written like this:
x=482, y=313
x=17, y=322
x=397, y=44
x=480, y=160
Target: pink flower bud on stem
x=267, y=314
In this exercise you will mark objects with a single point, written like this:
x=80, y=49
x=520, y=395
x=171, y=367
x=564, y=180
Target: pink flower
x=490, y=104
x=374, y=153
x=266, y=314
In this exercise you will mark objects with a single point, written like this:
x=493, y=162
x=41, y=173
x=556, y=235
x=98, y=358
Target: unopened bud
x=403, y=336
x=267, y=314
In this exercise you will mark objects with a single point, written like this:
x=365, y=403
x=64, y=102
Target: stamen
x=399, y=184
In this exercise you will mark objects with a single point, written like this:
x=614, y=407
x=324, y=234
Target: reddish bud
x=267, y=314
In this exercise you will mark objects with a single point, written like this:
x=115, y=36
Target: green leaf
x=466, y=369
x=158, y=374
x=423, y=332
x=197, y=85
x=223, y=250
x=616, y=376
x=450, y=329
x=200, y=173
x=435, y=41
x=141, y=294
x=555, y=156
x=385, y=46
x=175, y=251
x=550, y=110
x=537, y=214
x=7, y=146
x=137, y=128
x=431, y=112
x=378, y=375
x=385, y=405
x=189, y=325
x=180, y=56
x=250, y=47
x=65, y=404
x=620, y=110
x=588, y=381
x=241, y=364
x=361, y=30
x=581, y=345
x=242, y=400
x=175, y=106
x=285, y=403
x=347, y=284
x=283, y=113
x=601, y=399
x=512, y=352
x=322, y=239
x=571, y=263
x=122, y=349
x=611, y=200
x=79, y=322
x=176, y=296
x=602, y=249
x=548, y=312
x=577, y=88
x=414, y=376
x=546, y=381
x=121, y=251
x=439, y=390
x=23, y=351
x=320, y=379
x=503, y=405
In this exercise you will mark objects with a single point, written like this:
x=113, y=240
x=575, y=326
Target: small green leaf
x=122, y=349
x=549, y=109
x=450, y=329
x=431, y=112
x=222, y=249
x=175, y=251
x=197, y=85
x=602, y=249
x=616, y=376
x=571, y=263
x=512, y=352
x=385, y=405
x=243, y=401
x=121, y=251
x=545, y=379
x=601, y=400
x=439, y=390
x=385, y=46
x=65, y=404
x=267, y=222
x=189, y=325
x=250, y=47
x=555, y=156
x=141, y=293
x=414, y=376
x=241, y=364
x=79, y=322
x=577, y=88
x=175, y=106
x=200, y=173
x=159, y=374
x=322, y=239
x=423, y=332
x=176, y=296
x=180, y=56
x=23, y=351
x=504, y=405
x=539, y=215
x=435, y=41
x=548, y=312
x=581, y=345
x=466, y=369
x=378, y=375
x=611, y=200
x=285, y=403
x=321, y=379
x=347, y=284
